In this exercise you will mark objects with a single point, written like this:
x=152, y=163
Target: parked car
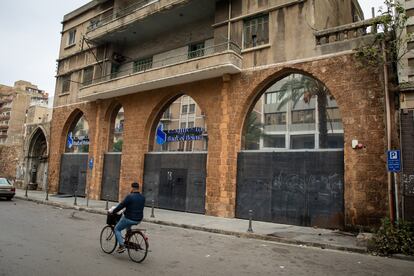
x=6, y=189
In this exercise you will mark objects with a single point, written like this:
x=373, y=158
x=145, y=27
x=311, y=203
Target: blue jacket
x=134, y=204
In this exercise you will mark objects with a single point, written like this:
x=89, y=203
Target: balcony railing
x=348, y=32
x=134, y=67
x=119, y=13
x=4, y=126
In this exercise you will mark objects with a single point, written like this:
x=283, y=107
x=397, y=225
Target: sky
x=30, y=38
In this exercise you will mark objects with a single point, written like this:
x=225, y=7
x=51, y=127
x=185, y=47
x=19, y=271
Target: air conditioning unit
x=118, y=58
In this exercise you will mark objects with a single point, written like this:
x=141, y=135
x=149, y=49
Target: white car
x=6, y=189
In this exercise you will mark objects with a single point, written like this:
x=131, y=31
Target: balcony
x=347, y=37
x=4, y=127
x=4, y=117
x=146, y=19
x=206, y=63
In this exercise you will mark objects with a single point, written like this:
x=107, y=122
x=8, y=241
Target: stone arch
x=70, y=122
x=160, y=107
x=36, y=159
x=283, y=189
x=254, y=95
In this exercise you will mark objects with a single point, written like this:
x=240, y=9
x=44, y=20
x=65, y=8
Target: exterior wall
x=8, y=161
x=226, y=103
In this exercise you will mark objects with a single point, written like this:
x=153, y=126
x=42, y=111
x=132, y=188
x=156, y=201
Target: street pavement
x=305, y=236
x=37, y=239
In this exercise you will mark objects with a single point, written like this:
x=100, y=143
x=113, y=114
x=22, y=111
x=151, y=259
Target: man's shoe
x=120, y=249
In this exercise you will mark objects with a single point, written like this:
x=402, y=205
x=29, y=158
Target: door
x=172, y=190
x=110, y=178
x=73, y=174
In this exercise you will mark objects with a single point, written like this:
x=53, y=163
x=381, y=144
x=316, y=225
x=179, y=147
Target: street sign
x=91, y=163
x=394, y=160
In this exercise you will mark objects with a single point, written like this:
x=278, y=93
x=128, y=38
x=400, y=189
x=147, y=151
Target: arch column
x=221, y=174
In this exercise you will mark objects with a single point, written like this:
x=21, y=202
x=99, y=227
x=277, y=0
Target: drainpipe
x=388, y=115
x=229, y=27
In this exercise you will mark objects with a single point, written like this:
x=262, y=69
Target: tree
x=299, y=85
x=391, y=23
x=253, y=131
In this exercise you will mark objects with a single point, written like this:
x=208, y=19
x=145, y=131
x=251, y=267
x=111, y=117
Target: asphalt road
x=42, y=240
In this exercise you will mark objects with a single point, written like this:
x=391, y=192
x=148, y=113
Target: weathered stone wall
x=226, y=102
x=8, y=161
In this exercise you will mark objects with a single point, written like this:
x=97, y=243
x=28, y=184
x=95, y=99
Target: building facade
x=406, y=82
x=21, y=106
x=226, y=106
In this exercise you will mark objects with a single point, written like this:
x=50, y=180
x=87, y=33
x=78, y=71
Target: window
x=72, y=37
x=184, y=109
x=183, y=125
x=192, y=108
x=196, y=50
x=190, y=124
x=256, y=31
x=65, y=81
x=115, y=70
x=274, y=141
x=275, y=119
x=87, y=75
x=142, y=64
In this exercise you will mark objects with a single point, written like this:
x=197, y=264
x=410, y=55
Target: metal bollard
x=250, y=229
x=107, y=203
x=87, y=200
x=76, y=198
x=25, y=193
x=47, y=194
x=152, y=208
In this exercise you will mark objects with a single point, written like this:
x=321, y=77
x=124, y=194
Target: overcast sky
x=30, y=37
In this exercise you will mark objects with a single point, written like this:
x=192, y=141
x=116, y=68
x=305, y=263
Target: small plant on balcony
x=391, y=25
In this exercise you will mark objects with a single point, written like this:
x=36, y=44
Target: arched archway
x=291, y=167
x=112, y=158
x=36, y=160
x=74, y=160
x=175, y=167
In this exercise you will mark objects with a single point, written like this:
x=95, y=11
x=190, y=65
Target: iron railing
x=95, y=24
x=129, y=68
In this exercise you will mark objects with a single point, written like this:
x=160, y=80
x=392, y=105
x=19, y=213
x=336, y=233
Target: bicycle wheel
x=108, y=239
x=137, y=246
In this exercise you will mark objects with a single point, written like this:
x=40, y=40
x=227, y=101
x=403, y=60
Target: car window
x=3, y=181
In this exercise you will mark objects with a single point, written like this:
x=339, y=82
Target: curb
x=210, y=230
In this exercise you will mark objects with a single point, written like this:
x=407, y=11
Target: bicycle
x=136, y=242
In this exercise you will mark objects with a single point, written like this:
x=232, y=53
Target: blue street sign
x=91, y=163
x=394, y=160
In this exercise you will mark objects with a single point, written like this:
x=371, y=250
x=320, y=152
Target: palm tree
x=292, y=91
x=253, y=131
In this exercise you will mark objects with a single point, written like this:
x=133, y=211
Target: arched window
x=296, y=112
x=182, y=128
x=117, y=130
x=78, y=136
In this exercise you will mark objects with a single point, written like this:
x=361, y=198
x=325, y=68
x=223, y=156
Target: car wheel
x=9, y=198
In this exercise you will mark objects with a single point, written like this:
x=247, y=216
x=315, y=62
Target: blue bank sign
x=394, y=160
x=77, y=140
x=177, y=135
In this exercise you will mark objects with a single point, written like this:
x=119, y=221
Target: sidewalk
x=303, y=236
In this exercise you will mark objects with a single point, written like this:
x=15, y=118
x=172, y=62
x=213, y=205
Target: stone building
x=227, y=106
x=18, y=104
x=406, y=81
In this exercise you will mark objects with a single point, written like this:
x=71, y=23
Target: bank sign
x=177, y=135
x=77, y=140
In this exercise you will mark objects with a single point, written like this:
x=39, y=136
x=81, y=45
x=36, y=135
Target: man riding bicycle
x=134, y=212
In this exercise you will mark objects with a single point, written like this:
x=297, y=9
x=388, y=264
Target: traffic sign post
x=394, y=166
x=394, y=160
